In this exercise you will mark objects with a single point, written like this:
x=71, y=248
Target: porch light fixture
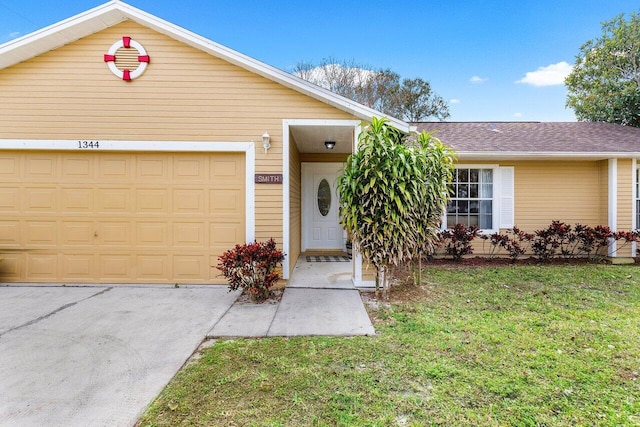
x=266, y=141
x=329, y=144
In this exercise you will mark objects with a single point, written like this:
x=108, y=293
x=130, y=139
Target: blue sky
x=476, y=54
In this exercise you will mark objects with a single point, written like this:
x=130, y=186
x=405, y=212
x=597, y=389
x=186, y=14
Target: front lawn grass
x=517, y=346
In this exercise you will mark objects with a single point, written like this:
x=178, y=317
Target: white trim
x=497, y=195
x=114, y=12
x=248, y=148
x=356, y=256
x=110, y=145
x=286, y=205
x=634, y=197
x=286, y=181
x=321, y=122
x=543, y=155
x=250, y=192
x=612, y=197
x=478, y=165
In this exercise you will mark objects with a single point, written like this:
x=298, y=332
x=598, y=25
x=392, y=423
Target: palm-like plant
x=393, y=194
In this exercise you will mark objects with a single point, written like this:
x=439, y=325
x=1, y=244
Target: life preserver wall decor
x=127, y=72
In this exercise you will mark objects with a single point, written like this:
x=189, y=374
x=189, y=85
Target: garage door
x=118, y=217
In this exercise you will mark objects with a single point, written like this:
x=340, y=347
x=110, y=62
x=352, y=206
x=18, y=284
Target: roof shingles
x=535, y=137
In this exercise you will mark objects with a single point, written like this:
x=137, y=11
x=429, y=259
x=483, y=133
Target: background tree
x=381, y=89
x=605, y=82
x=392, y=196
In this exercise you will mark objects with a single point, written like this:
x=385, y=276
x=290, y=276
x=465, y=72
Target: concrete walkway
x=319, y=300
x=301, y=312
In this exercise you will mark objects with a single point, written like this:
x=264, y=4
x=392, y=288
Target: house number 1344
x=88, y=144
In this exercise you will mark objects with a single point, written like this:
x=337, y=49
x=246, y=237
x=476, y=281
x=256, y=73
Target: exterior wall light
x=329, y=144
x=266, y=142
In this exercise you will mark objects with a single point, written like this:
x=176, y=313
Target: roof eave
x=114, y=12
x=543, y=155
x=59, y=34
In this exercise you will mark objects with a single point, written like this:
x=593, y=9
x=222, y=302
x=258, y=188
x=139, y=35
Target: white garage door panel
x=119, y=217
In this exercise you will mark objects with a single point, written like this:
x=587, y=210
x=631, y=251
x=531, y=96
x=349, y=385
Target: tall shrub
x=393, y=194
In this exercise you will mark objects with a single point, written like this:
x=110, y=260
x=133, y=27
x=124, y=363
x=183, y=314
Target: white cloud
x=478, y=79
x=517, y=115
x=454, y=101
x=14, y=34
x=551, y=75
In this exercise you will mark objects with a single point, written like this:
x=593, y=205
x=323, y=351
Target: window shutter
x=506, y=197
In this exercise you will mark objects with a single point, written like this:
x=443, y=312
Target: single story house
x=135, y=151
x=530, y=173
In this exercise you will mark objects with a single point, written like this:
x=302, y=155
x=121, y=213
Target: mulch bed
x=479, y=261
x=276, y=296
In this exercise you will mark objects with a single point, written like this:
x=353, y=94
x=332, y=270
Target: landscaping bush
x=457, y=240
x=592, y=240
x=252, y=268
x=627, y=237
x=559, y=239
x=511, y=241
x=551, y=241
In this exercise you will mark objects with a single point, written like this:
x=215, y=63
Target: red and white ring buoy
x=127, y=43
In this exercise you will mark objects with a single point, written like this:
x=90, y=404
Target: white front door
x=320, y=226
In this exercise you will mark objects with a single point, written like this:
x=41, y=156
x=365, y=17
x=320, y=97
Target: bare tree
x=382, y=89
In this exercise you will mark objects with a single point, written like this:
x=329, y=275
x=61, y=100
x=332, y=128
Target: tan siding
x=295, y=204
x=185, y=95
x=564, y=191
x=625, y=200
x=625, y=194
x=603, y=186
x=568, y=191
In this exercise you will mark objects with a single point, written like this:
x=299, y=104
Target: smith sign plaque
x=268, y=178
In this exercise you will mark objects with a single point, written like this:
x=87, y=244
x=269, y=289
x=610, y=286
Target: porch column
x=612, y=201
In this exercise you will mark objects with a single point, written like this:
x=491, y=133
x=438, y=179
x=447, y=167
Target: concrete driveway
x=96, y=355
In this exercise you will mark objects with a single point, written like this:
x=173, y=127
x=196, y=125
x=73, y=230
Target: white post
x=612, y=204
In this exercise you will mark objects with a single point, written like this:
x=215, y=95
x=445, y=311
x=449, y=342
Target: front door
x=320, y=226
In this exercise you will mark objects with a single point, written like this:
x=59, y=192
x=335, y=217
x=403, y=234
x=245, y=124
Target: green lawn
x=521, y=346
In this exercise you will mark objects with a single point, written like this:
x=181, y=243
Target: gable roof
x=500, y=140
x=115, y=11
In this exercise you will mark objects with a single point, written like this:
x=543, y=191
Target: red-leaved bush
x=252, y=268
x=457, y=240
x=513, y=241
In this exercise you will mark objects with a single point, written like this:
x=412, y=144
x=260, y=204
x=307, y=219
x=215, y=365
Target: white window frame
x=497, y=196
